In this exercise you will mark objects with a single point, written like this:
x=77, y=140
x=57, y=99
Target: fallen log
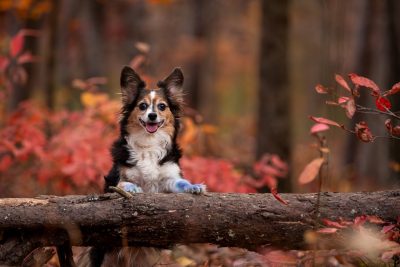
x=162, y=220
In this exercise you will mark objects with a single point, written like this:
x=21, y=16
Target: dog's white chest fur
x=145, y=152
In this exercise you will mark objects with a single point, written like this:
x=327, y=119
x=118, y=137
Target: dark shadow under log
x=162, y=220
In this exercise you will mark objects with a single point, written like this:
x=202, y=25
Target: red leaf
x=26, y=58
x=382, y=103
x=395, y=89
x=332, y=223
x=388, y=255
x=363, y=132
x=350, y=108
x=375, y=219
x=5, y=163
x=16, y=45
x=318, y=127
x=274, y=192
x=321, y=89
x=324, y=121
x=310, y=172
x=4, y=62
x=363, y=81
x=270, y=181
x=339, y=79
x=343, y=99
x=360, y=220
x=387, y=228
x=277, y=162
x=327, y=230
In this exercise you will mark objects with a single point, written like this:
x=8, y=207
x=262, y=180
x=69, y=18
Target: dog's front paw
x=130, y=187
x=195, y=189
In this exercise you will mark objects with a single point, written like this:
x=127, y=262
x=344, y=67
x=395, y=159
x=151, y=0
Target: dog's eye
x=162, y=106
x=142, y=106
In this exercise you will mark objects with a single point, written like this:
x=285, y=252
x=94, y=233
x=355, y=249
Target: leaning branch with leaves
x=348, y=101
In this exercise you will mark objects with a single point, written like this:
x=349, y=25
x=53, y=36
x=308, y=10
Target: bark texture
x=162, y=220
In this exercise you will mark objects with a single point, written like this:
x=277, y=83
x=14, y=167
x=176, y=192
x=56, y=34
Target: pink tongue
x=151, y=127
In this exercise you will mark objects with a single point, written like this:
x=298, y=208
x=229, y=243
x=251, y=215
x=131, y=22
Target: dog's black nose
x=152, y=116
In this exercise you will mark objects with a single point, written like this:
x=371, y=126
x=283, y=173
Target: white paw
x=196, y=189
x=130, y=187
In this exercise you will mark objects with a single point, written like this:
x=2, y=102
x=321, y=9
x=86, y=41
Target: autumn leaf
x=382, y=103
x=350, y=108
x=91, y=100
x=324, y=121
x=16, y=45
x=363, y=132
x=343, y=99
x=388, y=255
x=388, y=228
x=5, y=163
x=319, y=127
x=269, y=181
x=340, y=80
x=375, y=219
x=184, y=261
x=394, y=90
x=327, y=230
x=365, y=82
x=137, y=61
x=142, y=47
x=320, y=89
x=395, y=131
x=277, y=258
x=332, y=223
x=311, y=170
x=360, y=220
x=277, y=162
x=274, y=192
x=26, y=57
x=4, y=62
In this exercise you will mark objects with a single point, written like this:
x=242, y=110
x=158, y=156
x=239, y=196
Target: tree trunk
x=273, y=112
x=162, y=220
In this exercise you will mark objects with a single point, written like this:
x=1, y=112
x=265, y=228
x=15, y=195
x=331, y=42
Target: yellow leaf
x=209, y=129
x=184, y=262
x=92, y=100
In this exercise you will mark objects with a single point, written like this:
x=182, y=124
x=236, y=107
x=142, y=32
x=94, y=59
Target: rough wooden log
x=162, y=220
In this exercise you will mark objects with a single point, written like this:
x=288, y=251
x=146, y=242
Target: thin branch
x=362, y=109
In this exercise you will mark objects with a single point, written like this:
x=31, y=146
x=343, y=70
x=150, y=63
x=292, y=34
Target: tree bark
x=162, y=220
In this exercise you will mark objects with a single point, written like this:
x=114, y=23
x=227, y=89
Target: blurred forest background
x=250, y=70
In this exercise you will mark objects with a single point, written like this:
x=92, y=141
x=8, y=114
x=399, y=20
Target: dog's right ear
x=130, y=85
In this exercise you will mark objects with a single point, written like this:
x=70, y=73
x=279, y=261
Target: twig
x=120, y=191
x=362, y=109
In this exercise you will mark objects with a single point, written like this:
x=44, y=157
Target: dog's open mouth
x=151, y=127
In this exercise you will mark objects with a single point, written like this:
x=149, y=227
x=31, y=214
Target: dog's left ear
x=173, y=84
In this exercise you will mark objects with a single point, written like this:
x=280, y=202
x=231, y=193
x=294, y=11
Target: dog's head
x=151, y=110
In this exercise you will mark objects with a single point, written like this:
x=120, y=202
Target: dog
x=146, y=154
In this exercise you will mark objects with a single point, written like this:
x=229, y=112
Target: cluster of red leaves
x=388, y=238
x=69, y=150
x=348, y=103
x=12, y=63
x=221, y=175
